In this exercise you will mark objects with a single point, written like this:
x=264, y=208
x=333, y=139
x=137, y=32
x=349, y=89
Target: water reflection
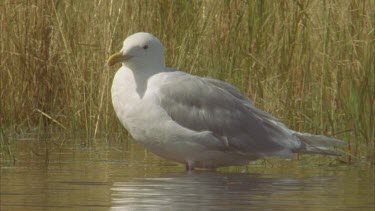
x=104, y=177
x=216, y=190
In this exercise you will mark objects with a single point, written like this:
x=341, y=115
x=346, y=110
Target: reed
x=309, y=63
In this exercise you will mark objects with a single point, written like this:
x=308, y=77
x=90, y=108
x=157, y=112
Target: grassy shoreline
x=310, y=64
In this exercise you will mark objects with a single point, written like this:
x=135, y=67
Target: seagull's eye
x=145, y=47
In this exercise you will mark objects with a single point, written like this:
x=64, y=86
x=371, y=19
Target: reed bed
x=309, y=63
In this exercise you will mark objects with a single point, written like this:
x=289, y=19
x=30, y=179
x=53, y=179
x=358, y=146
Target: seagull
x=198, y=121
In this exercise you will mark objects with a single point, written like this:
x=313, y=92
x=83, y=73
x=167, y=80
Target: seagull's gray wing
x=229, y=88
x=203, y=104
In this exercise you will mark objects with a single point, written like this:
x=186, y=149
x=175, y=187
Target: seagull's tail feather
x=318, y=144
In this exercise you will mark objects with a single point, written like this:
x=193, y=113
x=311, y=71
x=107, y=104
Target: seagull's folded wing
x=203, y=104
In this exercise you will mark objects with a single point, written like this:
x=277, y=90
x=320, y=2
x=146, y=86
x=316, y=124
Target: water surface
x=124, y=176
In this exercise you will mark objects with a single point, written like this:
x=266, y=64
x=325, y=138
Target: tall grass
x=309, y=63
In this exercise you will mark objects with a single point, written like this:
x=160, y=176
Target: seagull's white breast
x=150, y=125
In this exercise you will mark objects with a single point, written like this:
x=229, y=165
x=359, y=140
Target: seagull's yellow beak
x=116, y=58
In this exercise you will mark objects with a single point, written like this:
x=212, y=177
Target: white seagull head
x=140, y=51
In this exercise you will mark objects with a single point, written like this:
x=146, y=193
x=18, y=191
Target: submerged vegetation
x=309, y=63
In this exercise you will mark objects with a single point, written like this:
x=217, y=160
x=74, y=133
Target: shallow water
x=125, y=177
